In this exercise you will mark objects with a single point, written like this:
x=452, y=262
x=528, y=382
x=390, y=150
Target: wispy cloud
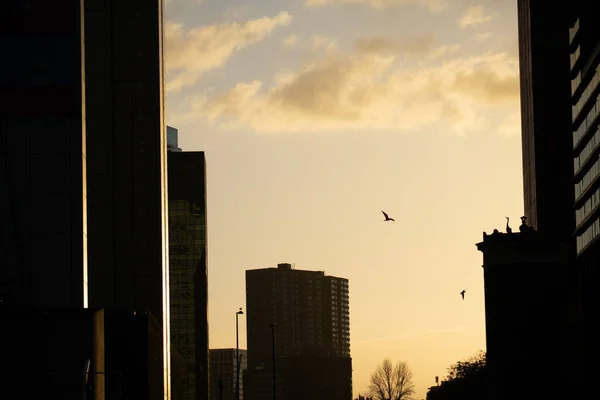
x=191, y=53
x=483, y=36
x=289, y=41
x=433, y=5
x=425, y=45
x=348, y=91
x=473, y=16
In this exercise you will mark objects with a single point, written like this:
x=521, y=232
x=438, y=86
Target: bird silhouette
x=463, y=293
x=508, y=228
x=387, y=218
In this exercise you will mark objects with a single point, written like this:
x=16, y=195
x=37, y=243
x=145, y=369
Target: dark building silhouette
x=314, y=377
x=126, y=142
x=188, y=268
x=126, y=160
x=530, y=333
x=43, y=241
x=83, y=178
x=310, y=312
x=223, y=373
x=546, y=116
x=124, y=349
x=584, y=38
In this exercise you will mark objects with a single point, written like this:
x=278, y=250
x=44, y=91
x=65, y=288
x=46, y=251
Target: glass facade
x=173, y=140
x=188, y=270
x=43, y=196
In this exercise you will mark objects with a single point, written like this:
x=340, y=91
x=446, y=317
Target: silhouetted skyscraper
x=585, y=60
x=546, y=116
x=85, y=81
x=310, y=312
x=189, y=269
x=43, y=229
x=127, y=160
x=584, y=37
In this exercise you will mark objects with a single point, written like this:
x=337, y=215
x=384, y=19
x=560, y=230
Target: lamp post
x=273, y=359
x=220, y=388
x=237, y=354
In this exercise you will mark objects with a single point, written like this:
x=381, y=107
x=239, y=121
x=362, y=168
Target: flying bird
x=387, y=218
x=463, y=293
x=508, y=228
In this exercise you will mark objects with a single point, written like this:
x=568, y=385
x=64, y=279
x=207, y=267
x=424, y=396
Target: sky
x=315, y=115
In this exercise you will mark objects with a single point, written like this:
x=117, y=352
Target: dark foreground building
x=126, y=157
x=546, y=116
x=83, y=198
x=189, y=269
x=64, y=353
x=584, y=37
x=43, y=229
x=531, y=305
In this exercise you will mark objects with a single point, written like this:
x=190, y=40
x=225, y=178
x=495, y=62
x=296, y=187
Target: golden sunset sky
x=315, y=115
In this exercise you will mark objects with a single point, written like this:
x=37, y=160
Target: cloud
x=191, y=53
x=433, y=5
x=473, y=16
x=511, y=124
x=409, y=46
x=322, y=42
x=289, y=41
x=483, y=36
x=344, y=92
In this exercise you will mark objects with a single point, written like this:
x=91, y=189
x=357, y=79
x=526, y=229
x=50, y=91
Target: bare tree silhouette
x=390, y=382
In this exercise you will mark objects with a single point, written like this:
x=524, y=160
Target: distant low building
x=223, y=374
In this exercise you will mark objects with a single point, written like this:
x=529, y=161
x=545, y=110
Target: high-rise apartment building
x=189, y=269
x=43, y=230
x=546, y=116
x=223, y=373
x=310, y=314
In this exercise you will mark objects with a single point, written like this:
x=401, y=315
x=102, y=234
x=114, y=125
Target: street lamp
x=273, y=355
x=237, y=354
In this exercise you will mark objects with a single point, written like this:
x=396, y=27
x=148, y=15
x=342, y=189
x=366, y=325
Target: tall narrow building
x=584, y=36
x=127, y=160
x=546, y=116
x=310, y=315
x=43, y=229
x=189, y=269
x=85, y=78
